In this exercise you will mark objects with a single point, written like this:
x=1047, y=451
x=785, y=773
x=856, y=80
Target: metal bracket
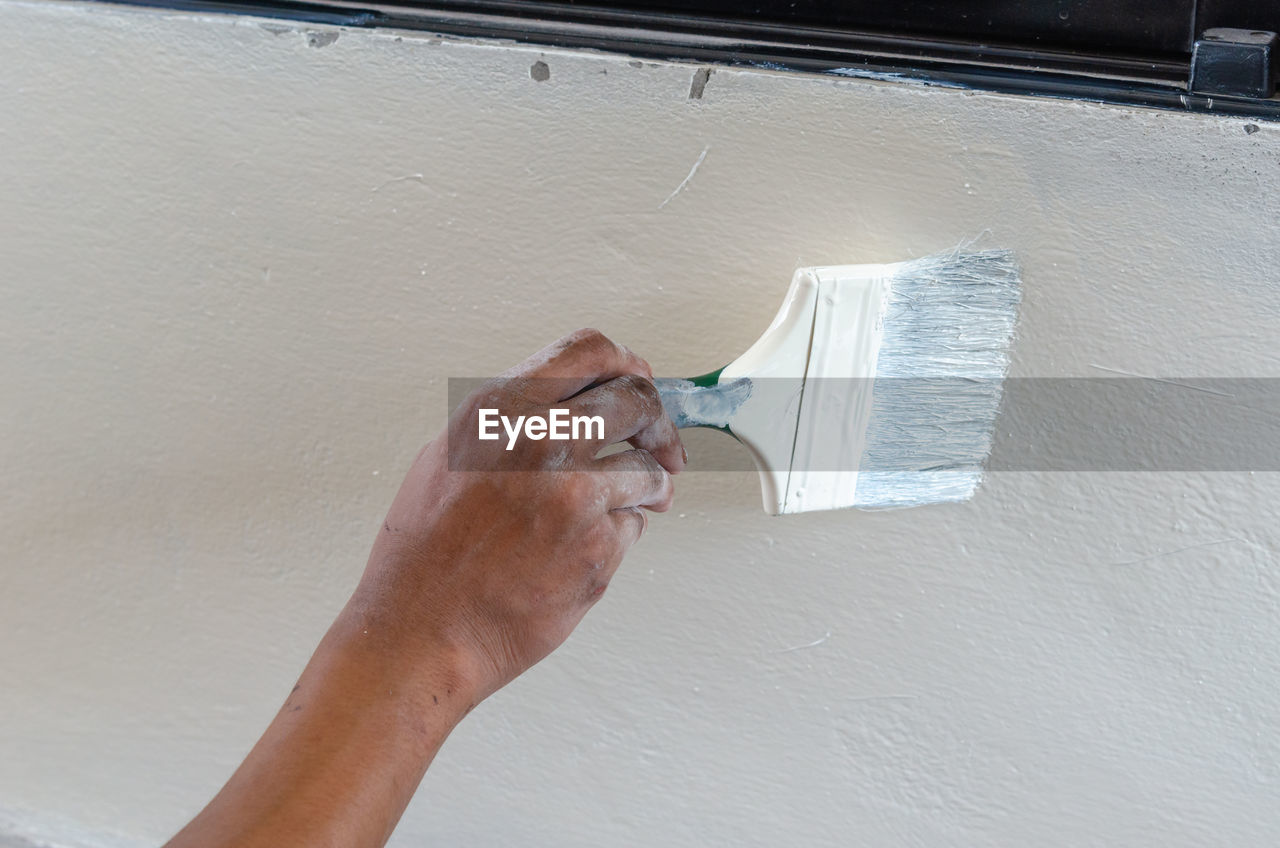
x=1234, y=62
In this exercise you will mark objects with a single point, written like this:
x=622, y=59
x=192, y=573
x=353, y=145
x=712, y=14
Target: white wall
x=239, y=267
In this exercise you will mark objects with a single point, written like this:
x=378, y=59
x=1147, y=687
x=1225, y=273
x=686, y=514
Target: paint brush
x=875, y=386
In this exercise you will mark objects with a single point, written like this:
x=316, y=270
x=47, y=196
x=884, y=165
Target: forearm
x=345, y=753
x=485, y=563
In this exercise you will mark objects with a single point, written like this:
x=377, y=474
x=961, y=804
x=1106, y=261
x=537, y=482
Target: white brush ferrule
x=802, y=423
x=835, y=409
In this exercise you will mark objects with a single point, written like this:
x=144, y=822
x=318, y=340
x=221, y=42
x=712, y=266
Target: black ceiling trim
x=1157, y=78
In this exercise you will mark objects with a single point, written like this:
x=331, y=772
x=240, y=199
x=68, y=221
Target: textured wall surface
x=241, y=258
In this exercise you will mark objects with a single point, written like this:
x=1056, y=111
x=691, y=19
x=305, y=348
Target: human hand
x=491, y=556
x=487, y=560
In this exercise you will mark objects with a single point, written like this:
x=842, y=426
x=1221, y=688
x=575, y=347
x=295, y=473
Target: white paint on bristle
x=948, y=323
x=920, y=431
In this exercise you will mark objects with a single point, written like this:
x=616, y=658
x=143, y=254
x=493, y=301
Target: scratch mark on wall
x=1159, y=554
x=699, y=83
x=815, y=643
x=686, y=180
x=418, y=178
x=1163, y=380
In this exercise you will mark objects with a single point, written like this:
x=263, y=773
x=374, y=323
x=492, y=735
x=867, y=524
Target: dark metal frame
x=1147, y=63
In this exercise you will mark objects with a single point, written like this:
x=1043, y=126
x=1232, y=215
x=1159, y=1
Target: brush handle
x=703, y=401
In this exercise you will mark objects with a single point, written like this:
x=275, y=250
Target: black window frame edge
x=1156, y=82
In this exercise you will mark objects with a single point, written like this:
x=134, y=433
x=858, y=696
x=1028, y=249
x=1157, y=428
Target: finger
x=635, y=479
x=632, y=412
x=567, y=366
x=630, y=522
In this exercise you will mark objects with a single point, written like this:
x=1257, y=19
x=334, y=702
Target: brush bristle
x=948, y=323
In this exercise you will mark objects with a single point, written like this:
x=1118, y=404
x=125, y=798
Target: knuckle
x=629, y=382
x=642, y=389
x=524, y=455
x=518, y=389
x=556, y=456
x=589, y=338
x=634, y=522
x=668, y=487
x=663, y=502
x=660, y=482
x=658, y=475
x=584, y=333
x=589, y=403
x=488, y=396
x=580, y=493
x=639, y=360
